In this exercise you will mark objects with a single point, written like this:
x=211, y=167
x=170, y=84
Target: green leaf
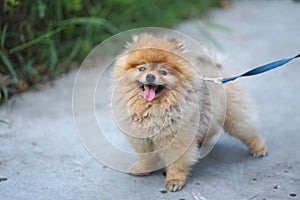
x=8, y=65
x=29, y=31
x=53, y=56
x=76, y=49
x=3, y=122
x=41, y=9
x=73, y=5
x=89, y=20
x=5, y=92
x=3, y=35
x=35, y=41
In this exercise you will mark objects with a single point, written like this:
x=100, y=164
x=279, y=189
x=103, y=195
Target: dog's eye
x=142, y=68
x=163, y=72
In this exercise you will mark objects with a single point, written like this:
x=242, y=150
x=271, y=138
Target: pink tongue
x=149, y=92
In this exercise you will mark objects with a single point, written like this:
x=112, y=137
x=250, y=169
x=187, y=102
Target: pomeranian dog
x=166, y=110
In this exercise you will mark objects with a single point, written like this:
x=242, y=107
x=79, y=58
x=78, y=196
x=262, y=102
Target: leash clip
x=217, y=80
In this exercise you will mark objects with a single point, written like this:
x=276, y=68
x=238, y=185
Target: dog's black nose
x=150, y=78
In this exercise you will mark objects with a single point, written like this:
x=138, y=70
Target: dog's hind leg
x=239, y=123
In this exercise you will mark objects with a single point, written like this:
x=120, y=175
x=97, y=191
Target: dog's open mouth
x=150, y=90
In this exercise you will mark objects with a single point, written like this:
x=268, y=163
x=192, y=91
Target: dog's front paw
x=257, y=146
x=139, y=169
x=259, y=152
x=258, y=149
x=174, y=185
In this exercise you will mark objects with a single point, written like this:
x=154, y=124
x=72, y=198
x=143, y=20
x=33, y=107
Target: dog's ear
x=176, y=43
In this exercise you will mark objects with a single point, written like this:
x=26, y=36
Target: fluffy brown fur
x=165, y=117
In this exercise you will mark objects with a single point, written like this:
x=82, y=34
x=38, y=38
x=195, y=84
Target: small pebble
x=3, y=179
x=163, y=191
x=293, y=194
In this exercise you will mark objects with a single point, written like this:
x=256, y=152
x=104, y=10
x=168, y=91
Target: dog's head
x=154, y=79
x=154, y=68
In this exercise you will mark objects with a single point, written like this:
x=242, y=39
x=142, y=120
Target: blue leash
x=257, y=70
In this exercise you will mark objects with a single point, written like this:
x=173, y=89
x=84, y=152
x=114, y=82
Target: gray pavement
x=42, y=157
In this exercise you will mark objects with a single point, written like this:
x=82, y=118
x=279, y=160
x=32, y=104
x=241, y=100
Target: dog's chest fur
x=152, y=119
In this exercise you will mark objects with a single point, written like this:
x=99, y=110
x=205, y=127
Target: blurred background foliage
x=41, y=39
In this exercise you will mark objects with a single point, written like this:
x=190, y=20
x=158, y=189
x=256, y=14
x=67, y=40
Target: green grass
x=39, y=39
x=3, y=122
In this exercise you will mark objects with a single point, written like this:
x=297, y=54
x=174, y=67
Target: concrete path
x=41, y=156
